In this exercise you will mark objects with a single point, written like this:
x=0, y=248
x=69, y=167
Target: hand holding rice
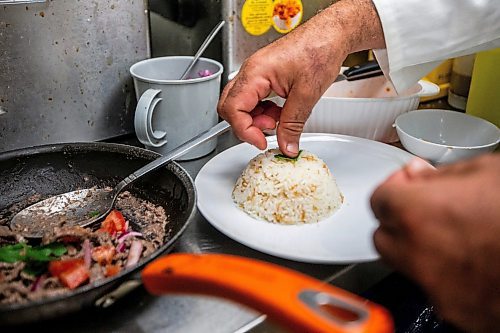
x=283, y=190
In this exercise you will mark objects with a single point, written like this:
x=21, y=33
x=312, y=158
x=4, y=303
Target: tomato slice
x=111, y=270
x=71, y=272
x=56, y=267
x=74, y=277
x=103, y=254
x=113, y=223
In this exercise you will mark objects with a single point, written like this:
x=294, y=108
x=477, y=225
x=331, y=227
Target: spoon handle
x=218, y=129
x=202, y=48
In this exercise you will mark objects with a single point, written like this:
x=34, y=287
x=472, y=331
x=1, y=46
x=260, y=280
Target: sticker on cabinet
x=287, y=14
x=258, y=16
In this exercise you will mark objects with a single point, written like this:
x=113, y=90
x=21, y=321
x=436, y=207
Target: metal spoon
x=88, y=206
x=202, y=48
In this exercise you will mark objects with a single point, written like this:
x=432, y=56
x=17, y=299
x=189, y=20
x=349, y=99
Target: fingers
x=415, y=169
x=236, y=103
x=389, y=247
x=393, y=199
x=391, y=237
x=294, y=114
x=467, y=167
x=383, y=201
x=392, y=202
x=418, y=167
x=266, y=115
x=398, y=204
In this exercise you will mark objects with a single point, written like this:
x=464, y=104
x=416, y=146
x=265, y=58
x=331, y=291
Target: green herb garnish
x=286, y=158
x=28, y=253
x=94, y=213
x=12, y=253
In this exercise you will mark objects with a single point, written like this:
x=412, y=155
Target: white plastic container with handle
x=171, y=111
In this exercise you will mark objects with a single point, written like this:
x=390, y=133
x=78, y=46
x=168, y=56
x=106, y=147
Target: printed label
x=256, y=16
x=287, y=14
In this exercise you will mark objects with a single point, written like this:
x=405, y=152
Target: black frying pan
x=52, y=169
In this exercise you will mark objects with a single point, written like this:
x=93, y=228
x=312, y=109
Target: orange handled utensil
x=293, y=300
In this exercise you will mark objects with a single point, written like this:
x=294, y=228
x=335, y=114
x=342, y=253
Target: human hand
x=441, y=228
x=299, y=67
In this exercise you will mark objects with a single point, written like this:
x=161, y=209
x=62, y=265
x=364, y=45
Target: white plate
x=358, y=165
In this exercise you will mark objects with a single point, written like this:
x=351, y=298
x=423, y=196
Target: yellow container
x=440, y=76
x=484, y=93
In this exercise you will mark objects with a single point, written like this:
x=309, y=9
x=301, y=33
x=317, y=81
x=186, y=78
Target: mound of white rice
x=287, y=191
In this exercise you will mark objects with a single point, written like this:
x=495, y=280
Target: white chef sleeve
x=420, y=34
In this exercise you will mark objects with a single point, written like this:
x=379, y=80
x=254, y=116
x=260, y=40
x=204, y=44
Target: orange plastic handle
x=295, y=301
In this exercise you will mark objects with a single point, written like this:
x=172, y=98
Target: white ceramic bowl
x=443, y=136
x=365, y=108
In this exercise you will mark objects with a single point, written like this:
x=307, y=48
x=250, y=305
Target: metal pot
x=52, y=169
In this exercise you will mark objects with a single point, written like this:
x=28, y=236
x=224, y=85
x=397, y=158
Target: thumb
x=293, y=116
x=418, y=167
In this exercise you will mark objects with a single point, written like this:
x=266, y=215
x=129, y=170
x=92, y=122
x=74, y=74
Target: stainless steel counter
x=141, y=312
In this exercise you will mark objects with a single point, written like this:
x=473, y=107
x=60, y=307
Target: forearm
x=348, y=26
x=360, y=23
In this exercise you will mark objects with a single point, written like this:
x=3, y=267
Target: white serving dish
x=444, y=136
x=365, y=108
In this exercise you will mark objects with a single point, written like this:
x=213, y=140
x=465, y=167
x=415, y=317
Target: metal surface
x=188, y=22
x=64, y=69
x=52, y=169
x=141, y=312
x=178, y=27
x=15, y=2
x=238, y=44
x=79, y=207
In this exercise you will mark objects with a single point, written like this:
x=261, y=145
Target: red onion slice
x=126, y=235
x=204, y=73
x=37, y=283
x=87, y=253
x=135, y=252
x=120, y=247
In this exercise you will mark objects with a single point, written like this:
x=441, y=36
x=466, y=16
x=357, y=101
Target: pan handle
x=294, y=300
x=363, y=71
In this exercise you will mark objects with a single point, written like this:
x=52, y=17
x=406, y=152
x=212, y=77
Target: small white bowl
x=443, y=136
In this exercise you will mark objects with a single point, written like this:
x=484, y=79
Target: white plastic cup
x=170, y=111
